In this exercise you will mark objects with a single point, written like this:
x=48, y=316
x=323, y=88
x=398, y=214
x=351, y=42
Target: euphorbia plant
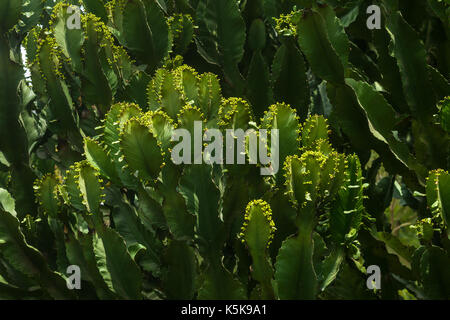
x=87, y=123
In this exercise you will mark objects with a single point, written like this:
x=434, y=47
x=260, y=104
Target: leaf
x=202, y=200
x=159, y=28
x=313, y=38
x=14, y=150
x=179, y=281
x=219, y=284
x=31, y=14
x=27, y=259
x=130, y=227
x=434, y=274
x=81, y=252
x=7, y=202
x=145, y=31
x=330, y=268
x=352, y=119
x=336, y=34
x=391, y=78
x=221, y=36
x=411, y=59
x=394, y=245
x=257, y=35
x=9, y=14
x=440, y=84
x=382, y=118
x=96, y=7
x=182, y=32
x=179, y=220
x=122, y=272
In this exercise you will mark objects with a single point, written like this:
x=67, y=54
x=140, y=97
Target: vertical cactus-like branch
x=13, y=137
x=257, y=232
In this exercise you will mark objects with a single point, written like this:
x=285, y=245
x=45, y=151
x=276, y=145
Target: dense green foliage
x=86, y=176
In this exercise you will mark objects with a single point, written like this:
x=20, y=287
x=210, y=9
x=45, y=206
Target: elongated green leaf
x=179, y=220
x=411, y=59
x=391, y=78
x=133, y=231
x=434, y=273
x=220, y=285
x=382, y=118
x=179, y=281
x=313, y=38
x=96, y=7
x=221, y=36
x=7, y=202
x=441, y=85
x=80, y=252
x=122, y=272
x=202, y=200
x=31, y=14
x=145, y=31
x=336, y=33
x=27, y=259
x=14, y=150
